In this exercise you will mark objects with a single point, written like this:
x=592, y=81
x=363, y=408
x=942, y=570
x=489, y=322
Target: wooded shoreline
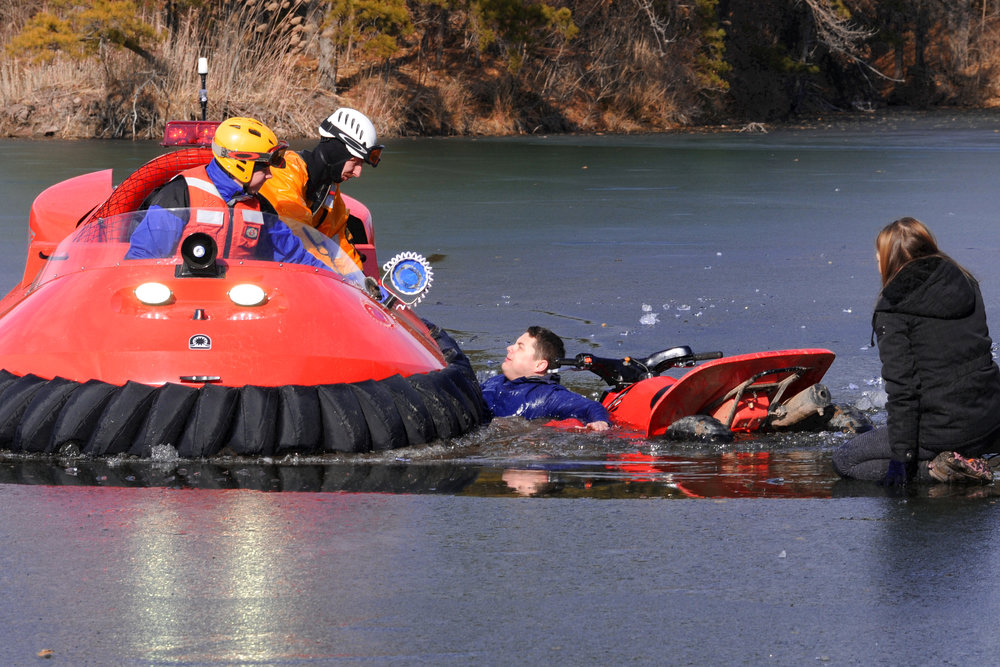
x=100, y=69
x=885, y=120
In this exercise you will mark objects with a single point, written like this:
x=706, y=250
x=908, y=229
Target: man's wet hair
x=548, y=346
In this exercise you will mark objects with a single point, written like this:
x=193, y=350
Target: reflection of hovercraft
x=209, y=352
x=258, y=474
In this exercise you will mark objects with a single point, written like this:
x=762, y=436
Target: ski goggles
x=374, y=155
x=275, y=158
x=371, y=155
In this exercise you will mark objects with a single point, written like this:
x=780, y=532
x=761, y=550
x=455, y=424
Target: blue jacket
x=160, y=231
x=536, y=397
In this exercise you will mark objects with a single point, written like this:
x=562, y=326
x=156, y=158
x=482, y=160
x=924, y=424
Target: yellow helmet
x=239, y=143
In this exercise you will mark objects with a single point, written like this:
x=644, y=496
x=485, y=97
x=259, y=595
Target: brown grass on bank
x=624, y=71
x=273, y=75
x=120, y=95
x=60, y=99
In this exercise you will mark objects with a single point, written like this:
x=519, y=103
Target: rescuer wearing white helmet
x=353, y=129
x=301, y=190
x=347, y=141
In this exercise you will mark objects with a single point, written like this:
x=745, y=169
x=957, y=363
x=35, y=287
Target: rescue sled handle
x=629, y=370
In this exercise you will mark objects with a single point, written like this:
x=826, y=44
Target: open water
x=518, y=544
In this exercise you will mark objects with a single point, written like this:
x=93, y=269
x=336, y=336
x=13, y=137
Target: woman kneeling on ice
x=942, y=384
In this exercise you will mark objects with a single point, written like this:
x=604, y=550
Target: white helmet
x=356, y=132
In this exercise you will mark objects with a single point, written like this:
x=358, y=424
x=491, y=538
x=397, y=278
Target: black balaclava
x=326, y=162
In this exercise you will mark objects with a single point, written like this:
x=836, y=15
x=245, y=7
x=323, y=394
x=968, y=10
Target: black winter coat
x=942, y=383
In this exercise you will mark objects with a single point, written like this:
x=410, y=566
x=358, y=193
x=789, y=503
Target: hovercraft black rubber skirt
x=100, y=419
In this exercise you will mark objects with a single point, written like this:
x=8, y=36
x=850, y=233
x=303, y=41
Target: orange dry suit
x=325, y=234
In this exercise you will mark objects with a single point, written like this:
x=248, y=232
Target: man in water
x=525, y=389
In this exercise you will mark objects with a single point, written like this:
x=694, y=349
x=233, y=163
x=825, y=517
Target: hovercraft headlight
x=246, y=294
x=153, y=294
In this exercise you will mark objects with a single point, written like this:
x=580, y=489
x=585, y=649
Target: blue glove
x=899, y=474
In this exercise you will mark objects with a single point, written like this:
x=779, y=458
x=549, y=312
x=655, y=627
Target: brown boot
x=953, y=467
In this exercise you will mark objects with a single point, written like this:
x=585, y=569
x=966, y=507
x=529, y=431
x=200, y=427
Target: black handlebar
x=707, y=356
x=618, y=372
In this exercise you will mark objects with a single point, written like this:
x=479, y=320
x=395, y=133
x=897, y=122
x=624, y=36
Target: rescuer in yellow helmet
x=221, y=199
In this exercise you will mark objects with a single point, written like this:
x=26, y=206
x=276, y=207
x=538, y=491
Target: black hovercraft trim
x=100, y=419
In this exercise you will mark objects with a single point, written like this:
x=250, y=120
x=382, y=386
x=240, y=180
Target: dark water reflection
x=508, y=458
x=763, y=469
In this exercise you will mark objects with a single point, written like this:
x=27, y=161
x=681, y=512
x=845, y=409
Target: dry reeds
x=55, y=100
x=271, y=60
x=257, y=67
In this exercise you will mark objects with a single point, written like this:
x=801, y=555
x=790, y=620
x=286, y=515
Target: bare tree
x=657, y=23
x=839, y=33
x=836, y=31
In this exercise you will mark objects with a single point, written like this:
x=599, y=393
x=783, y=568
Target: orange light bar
x=189, y=132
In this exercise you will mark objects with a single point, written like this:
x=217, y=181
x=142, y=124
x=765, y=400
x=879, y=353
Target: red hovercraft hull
x=319, y=366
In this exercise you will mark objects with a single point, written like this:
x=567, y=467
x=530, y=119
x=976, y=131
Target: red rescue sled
x=774, y=390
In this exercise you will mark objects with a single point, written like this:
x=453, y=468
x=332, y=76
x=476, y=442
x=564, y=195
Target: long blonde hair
x=903, y=241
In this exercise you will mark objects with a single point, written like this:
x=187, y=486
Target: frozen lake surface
x=622, y=245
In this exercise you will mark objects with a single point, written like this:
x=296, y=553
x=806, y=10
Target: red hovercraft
x=102, y=355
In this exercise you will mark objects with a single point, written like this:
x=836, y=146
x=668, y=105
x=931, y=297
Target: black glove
x=375, y=290
x=899, y=473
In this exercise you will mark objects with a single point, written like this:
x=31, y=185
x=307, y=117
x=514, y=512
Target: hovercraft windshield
x=161, y=237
